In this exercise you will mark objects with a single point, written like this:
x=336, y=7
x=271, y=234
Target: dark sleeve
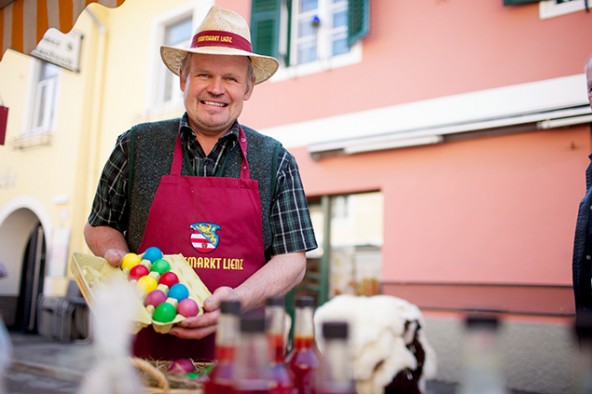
x=290, y=218
x=110, y=206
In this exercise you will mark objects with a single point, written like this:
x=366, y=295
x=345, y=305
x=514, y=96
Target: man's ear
x=250, y=88
x=182, y=79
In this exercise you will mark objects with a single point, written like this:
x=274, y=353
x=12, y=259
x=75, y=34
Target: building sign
x=60, y=49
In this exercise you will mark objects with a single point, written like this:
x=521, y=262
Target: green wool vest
x=151, y=155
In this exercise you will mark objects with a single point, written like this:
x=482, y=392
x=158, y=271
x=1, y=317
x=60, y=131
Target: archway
x=22, y=251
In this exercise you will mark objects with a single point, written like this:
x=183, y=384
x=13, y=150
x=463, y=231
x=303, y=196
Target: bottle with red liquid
x=276, y=334
x=304, y=358
x=219, y=379
x=335, y=374
x=251, y=374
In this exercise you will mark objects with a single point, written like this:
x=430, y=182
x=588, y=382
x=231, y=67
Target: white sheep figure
x=378, y=340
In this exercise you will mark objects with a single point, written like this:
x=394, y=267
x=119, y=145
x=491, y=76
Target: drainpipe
x=96, y=116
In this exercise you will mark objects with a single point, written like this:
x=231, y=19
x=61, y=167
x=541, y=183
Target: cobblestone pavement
x=44, y=366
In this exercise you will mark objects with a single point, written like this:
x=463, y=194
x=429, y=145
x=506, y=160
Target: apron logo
x=204, y=238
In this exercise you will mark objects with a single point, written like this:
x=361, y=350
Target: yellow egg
x=147, y=284
x=129, y=261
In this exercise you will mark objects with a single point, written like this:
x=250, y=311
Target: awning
x=24, y=22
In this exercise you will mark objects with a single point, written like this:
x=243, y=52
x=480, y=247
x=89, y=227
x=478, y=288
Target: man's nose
x=215, y=86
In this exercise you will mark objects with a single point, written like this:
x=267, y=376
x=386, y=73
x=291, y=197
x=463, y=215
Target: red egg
x=181, y=366
x=138, y=271
x=187, y=307
x=168, y=278
x=155, y=298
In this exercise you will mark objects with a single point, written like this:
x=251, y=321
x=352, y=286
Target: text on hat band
x=218, y=38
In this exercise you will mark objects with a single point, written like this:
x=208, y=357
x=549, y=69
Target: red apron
x=215, y=223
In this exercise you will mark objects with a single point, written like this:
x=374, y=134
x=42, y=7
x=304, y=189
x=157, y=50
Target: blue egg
x=152, y=254
x=178, y=291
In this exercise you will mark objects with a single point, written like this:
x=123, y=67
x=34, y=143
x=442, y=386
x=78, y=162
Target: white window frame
x=157, y=70
x=36, y=96
x=550, y=8
x=324, y=62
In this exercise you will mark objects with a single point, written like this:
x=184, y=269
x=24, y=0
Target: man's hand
x=203, y=325
x=106, y=242
x=114, y=256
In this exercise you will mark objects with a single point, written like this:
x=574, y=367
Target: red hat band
x=219, y=38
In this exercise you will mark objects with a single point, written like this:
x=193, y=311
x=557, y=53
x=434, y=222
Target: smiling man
x=207, y=187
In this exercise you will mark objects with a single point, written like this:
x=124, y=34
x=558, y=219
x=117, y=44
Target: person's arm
x=277, y=277
x=109, y=214
x=106, y=242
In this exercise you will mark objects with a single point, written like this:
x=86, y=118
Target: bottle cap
x=231, y=307
x=335, y=330
x=252, y=323
x=481, y=321
x=275, y=301
x=304, y=301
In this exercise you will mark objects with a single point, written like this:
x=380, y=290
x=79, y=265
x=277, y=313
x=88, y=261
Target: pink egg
x=188, y=307
x=181, y=366
x=155, y=298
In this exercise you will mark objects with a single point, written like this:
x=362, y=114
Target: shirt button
x=588, y=257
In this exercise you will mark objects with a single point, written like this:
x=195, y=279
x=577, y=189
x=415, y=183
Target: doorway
x=31, y=285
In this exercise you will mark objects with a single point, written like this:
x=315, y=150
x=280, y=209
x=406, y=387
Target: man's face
x=215, y=88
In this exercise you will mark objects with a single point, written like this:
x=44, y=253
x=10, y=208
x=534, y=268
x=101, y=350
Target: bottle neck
x=276, y=332
x=304, y=326
x=226, y=337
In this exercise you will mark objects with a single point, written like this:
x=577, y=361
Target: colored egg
x=178, y=291
x=188, y=307
x=161, y=266
x=164, y=313
x=147, y=284
x=168, y=279
x=155, y=298
x=137, y=272
x=152, y=254
x=129, y=261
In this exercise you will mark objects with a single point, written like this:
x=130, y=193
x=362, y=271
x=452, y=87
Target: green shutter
x=265, y=26
x=358, y=19
x=514, y=2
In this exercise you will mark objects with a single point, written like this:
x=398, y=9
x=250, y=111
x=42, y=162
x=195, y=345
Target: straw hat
x=222, y=32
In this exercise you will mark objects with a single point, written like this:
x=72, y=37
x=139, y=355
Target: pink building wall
x=496, y=210
x=418, y=50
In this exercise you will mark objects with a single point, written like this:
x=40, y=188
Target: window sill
x=28, y=141
x=352, y=57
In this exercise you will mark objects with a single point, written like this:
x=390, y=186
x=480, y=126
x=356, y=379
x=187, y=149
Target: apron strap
x=177, y=164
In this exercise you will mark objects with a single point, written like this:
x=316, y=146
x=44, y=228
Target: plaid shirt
x=290, y=220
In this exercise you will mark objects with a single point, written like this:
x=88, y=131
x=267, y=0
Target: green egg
x=164, y=313
x=161, y=266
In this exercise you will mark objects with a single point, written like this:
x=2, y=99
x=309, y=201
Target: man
x=205, y=186
x=582, y=255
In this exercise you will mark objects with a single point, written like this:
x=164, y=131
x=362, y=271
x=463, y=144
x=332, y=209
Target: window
x=551, y=8
x=175, y=33
x=44, y=98
x=352, y=251
x=309, y=34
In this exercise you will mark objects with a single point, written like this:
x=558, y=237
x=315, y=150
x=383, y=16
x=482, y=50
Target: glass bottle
x=335, y=374
x=5, y=354
x=251, y=374
x=219, y=379
x=304, y=358
x=276, y=333
x=482, y=366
